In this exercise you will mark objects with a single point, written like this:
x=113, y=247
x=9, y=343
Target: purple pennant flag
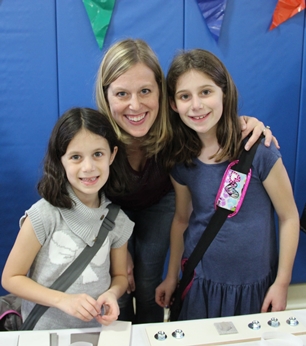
x=213, y=13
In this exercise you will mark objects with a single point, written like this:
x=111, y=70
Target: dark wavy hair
x=53, y=184
x=187, y=144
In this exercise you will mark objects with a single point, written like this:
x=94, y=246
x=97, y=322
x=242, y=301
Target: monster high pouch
x=232, y=189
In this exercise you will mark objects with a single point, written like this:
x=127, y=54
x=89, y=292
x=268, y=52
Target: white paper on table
x=33, y=338
x=279, y=339
x=118, y=333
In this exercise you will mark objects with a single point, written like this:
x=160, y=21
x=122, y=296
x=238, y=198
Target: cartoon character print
x=64, y=250
x=234, y=178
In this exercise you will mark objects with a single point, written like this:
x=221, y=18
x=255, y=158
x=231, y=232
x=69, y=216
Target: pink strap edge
x=10, y=312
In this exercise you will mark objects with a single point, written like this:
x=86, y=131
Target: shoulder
x=123, y=220
x=38, y=210
x=265, y=158
x=123, y=225
x=271, y=150
x=43, y=217
x=181, y=173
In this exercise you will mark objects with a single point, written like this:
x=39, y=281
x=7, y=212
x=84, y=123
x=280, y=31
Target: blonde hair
x=119, y=59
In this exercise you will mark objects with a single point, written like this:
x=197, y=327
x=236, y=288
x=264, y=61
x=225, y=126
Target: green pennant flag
x=99, y=13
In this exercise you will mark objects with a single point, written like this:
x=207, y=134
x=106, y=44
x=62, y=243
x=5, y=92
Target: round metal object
x=292, y=321
x=160, y=335
x=178, y=334
x=274, y=322
x=254, y=325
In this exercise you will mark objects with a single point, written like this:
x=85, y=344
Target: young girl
x=79, y=166
x=241, y=272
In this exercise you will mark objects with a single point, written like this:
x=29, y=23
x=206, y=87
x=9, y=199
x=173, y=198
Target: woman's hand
x=249, y=124
x=130, y=274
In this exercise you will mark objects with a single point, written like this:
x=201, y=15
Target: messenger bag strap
x=68, y=277
x=212, y=229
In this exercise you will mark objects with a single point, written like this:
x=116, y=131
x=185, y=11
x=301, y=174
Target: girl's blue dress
x=241, y=263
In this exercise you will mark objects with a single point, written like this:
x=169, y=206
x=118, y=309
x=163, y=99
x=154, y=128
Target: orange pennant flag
x=286, y=9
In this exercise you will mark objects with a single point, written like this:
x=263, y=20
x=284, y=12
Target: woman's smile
x=136, y=118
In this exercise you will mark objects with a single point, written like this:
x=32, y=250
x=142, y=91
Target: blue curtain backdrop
x=49, y=58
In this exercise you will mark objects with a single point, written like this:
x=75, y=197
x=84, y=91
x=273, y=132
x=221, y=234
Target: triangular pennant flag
x=213, y=13
x=286, y=9
x=99, y=13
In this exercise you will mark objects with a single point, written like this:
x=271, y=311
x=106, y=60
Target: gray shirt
x=63, y=234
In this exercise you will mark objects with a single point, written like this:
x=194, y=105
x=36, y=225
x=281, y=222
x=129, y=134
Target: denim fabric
x=148, y=246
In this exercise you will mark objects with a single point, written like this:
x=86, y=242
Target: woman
x=131, y=90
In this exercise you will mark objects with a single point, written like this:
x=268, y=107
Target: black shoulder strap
x=68, y=277
x=212, y=229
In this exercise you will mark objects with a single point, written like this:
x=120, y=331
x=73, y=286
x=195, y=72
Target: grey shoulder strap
x=68, y=277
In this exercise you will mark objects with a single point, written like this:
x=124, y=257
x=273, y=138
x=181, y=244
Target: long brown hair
x=187, y=144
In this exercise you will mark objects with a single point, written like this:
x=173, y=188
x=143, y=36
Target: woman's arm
x=183, y=208
x=15, y=280
x=279, y=189
x=249, y=124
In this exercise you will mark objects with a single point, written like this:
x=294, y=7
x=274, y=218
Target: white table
x=139, y=333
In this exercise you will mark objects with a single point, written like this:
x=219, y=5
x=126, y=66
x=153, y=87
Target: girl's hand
x=275, y=299
x=249, y=124
x=130, y=273
x=109, y=311
x=81, y=306
x=164, y=291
